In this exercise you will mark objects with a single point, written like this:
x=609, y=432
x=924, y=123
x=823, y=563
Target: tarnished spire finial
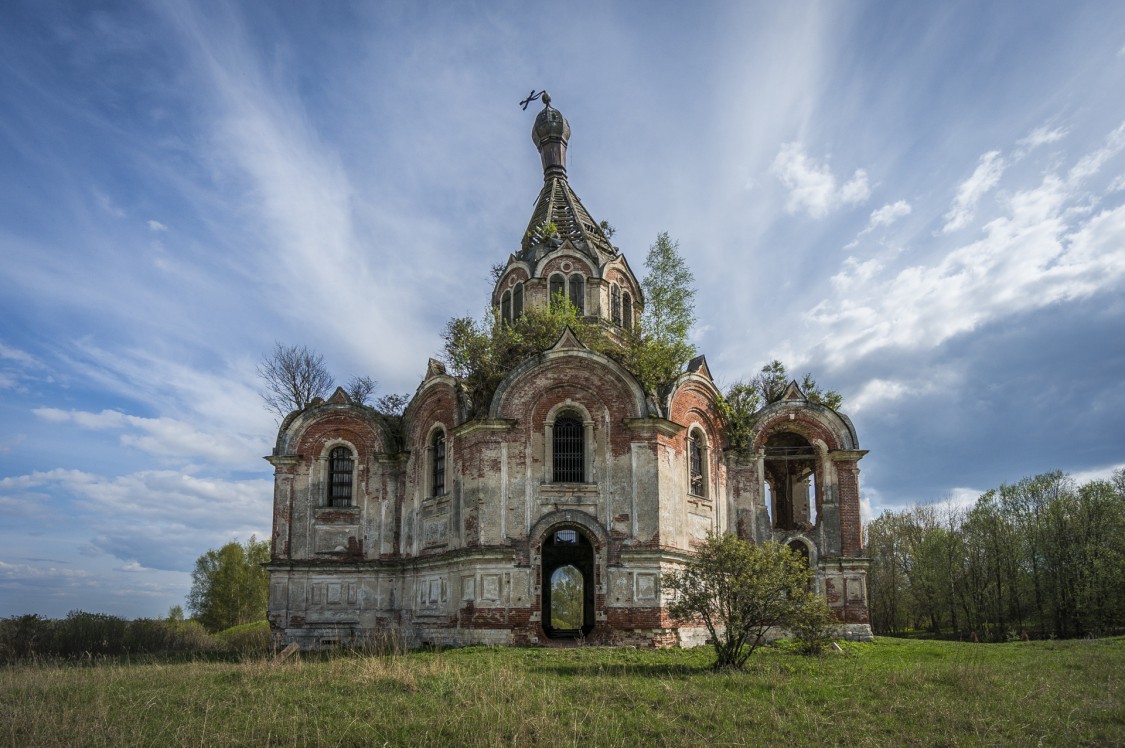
x=550, y=134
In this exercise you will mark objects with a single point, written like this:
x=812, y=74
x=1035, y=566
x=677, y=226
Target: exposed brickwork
x=851, y=528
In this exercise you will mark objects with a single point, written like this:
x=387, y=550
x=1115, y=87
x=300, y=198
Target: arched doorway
x=568, y=584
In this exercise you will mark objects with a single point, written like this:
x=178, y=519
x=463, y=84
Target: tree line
x=1044, y=557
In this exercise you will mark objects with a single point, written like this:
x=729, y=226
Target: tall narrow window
x=517, y=301
x=340, y=468
x=569, y=448
x=578, y=292
x=627, y=311
x=438, y=474
x=697, y=463
x=506, y=306
x=557, y=287
x=615, y=303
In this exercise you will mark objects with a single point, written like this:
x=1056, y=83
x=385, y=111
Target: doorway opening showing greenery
x=568, y=584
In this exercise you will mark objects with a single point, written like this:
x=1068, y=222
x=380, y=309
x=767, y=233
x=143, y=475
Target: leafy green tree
x=1040, y=556
x=740, y=590
x=659, y=347
x=566, y=598
x=229, y=586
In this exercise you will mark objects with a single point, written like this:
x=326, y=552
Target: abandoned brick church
x=457, y=525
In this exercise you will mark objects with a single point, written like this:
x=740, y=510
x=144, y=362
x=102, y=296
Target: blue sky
x=921, y=203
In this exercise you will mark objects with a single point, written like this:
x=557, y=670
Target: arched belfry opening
x=791, y=478
x=568, y=584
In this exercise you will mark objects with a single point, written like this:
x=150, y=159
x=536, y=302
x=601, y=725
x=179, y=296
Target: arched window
x=697, y=463
x=506, y=306
x=569, y=449
x=437, y=470
x=578, y=292
x=557, y=286
x=517, y=301
x=627, y=311
x=341, y=465
x=615, y=303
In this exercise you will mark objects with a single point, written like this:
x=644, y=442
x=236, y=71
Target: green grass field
x=890, y=692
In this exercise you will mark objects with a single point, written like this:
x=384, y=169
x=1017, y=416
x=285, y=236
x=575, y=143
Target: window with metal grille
x=566, y=536
x=577, y=292
x=439, y=464
x=569, y=450
x=506, y=306
x=695, y=455
x=627, y=311
x=340, y=466
x=615, y=303
x=557, y=287
x=517, y=301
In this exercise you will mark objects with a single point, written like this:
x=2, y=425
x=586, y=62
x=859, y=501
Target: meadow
x=888, y=692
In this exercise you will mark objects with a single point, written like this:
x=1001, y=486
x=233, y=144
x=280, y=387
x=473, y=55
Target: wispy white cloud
x=15, y=355
x=1042, y=136
x=28, y=572
x=1092, y=163
x=984, y=178
x=313, y=233
x=7, y=445
x=890, y=213
x=812, y=186
x=163, y=437
x=881, y=217
x=880, y=393
x=156, y=226
x=1037, y=252
x=160, y=519
x=1104, y=472
x=106, y=203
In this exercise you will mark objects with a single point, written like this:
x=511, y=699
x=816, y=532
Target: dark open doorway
x=568, y=584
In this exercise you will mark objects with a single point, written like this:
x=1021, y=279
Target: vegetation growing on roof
x=481, y=352
x=744, y=399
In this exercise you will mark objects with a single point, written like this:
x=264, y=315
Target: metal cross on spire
x=533, y=96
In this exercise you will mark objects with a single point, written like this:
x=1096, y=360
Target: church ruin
x=549, y=512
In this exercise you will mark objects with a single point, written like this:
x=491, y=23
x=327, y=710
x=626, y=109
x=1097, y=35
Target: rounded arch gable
x=535, y=376
x=358, y=425
x=813, y=422
x=553, y=263
x=695, y=398
x=517, y=271
x=618, y=270
x=434, y=403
